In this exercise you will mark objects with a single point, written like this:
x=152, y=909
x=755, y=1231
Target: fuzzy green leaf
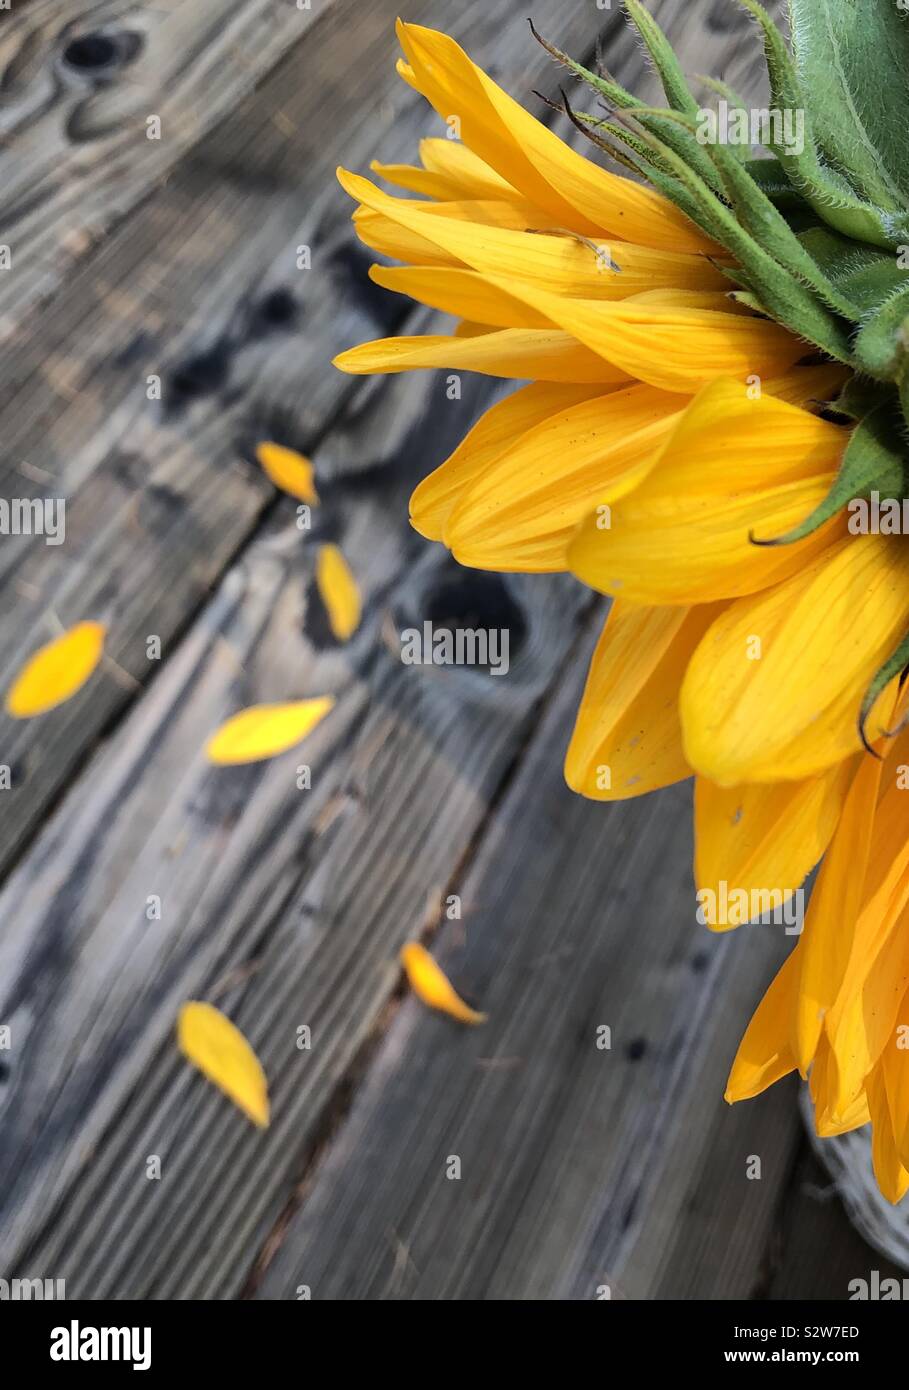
x=769, y=228
x=881, y=346
x=828, y=192
x=861, y=395
x=782, y=296
x=644, y=158
x=770, y=176
x=865, y=274
x=611, y=91
x=667, y=64
x=735, y=103
x=616, y=95
x=853, y=57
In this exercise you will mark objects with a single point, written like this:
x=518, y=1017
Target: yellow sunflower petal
x=531, y=157
x=466, y=329
x=862, y=1024
x=627, y=738
x=518, y=216
x=56, y=671
x=834, y=907
x=804, y=385
x=555, y=260
x=263, y=731
x=542, y=354
x=466, y=172
x=671, y=297
x=291, y=472
x=216, y=1046
x=675, y=349
x=774, y=690
x=506, y=421
x=765, y=837
x=417, y=180
x=892, y=1177
x=894, y=1067
x=857, y=1115
x=821, y=1078
x=339, y=591
x=455, y=291
x=764, y=1053
x=684, y=534
x=686, y=548
x=430, y=984
x=389, y=238
x=822, y=1085
x=522, y=511
x=865, y=1012
x=475, y=182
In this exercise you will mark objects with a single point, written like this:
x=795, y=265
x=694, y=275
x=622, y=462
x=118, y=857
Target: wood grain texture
x=161, y=495
x=580, y=1167
x=79, y=83
x=285, y=906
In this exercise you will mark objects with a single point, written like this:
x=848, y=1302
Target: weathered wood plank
x=80, y=84
x=646, y=1191
x=285, y=906
x=580, y=1167
x=161, y=495
x=816, y=1252
x=288, y=907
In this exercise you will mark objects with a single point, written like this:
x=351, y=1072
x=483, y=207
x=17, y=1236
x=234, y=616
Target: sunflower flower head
x=714, y=371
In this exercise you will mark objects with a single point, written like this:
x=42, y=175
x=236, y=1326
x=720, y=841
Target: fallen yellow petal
x=339, y=592
x=430, y=984
x=262, y=731
x=56, y=671
x=288, y=470
x=217, y=1047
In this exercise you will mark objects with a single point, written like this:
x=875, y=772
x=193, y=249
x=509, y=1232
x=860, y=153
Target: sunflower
x=714, y=373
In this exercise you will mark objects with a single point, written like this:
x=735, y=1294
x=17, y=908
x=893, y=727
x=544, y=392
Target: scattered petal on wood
x=288, y=470
x=339, y=592
x=262, y=731
x=56, y=671
x=217, y=1047
x=430, y=984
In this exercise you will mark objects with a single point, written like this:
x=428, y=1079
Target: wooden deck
x=176, y=258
